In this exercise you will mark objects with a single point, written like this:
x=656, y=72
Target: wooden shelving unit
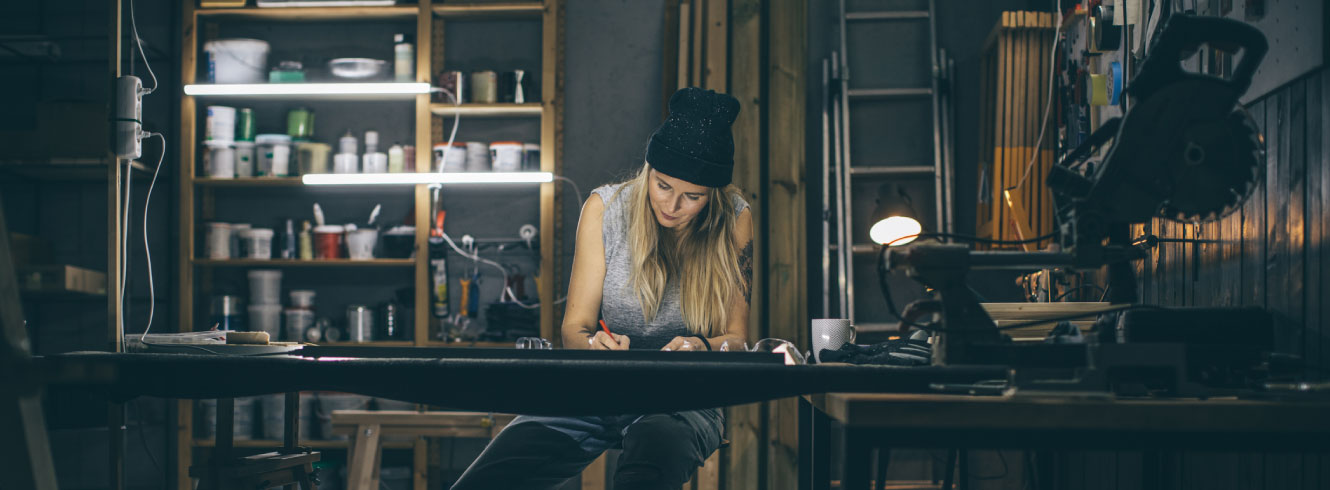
x=196, y=196
x=315, y=444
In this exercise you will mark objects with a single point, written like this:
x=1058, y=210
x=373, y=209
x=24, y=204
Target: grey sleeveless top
x=619, y=305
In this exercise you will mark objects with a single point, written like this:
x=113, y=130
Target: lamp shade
x=893, y=219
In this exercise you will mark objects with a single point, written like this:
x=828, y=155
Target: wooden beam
x=743, y=459
x=787, y=292
x=717, y=29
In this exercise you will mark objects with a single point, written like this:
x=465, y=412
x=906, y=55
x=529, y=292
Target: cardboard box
x=61, y=279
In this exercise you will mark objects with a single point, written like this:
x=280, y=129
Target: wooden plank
x=1323, y=237
x=669, y=74
x=1315, y=217
x=697, y=41
x=717, y=28
x=428, y=53
x=786, y=284
x=551, y=160
x=685, y=39
x=364, y=454
x=743, y=460
x=1293, y=145
x=184, y=426
x=1276, y=181
x=593, y=476
x=1253, y=230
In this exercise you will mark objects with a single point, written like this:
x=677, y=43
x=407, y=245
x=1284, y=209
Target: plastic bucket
x=266, y=318
x=237, y=60
x=265, y=287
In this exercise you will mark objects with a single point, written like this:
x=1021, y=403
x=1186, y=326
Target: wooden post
x=787, y=291
x=743, y=459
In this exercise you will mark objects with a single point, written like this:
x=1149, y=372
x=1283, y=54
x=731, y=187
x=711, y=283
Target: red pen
x=606, y=329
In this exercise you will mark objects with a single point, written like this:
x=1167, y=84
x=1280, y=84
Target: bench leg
x=363, y=462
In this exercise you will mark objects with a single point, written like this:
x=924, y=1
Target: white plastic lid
x=257, y=233
x=268, y=273
x=218, y=144
x=349, y=227
x=329, y=229
x=240, y=226
x=530, y=146
x=244, y=144
x=303, y=297
x=272, y=139
x=238, y=43
x=401, y=230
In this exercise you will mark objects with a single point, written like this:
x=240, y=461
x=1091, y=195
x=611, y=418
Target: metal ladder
x=836, y=144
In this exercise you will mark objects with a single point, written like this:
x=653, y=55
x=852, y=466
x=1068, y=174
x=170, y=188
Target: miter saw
x=1183, y=150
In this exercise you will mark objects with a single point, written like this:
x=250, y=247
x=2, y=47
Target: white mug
x=830, y=333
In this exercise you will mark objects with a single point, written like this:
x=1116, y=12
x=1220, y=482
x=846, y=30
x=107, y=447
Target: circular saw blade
x=1218, y=165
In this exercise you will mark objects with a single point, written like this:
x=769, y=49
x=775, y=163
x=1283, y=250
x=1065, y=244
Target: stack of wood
x=1014, y=75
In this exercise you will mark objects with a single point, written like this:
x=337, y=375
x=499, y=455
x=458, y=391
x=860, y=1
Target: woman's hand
x=684, y=343
x=605, y=341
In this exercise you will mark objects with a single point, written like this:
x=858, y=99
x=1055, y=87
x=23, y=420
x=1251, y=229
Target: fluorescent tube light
x=411, y=178
x=387, y=88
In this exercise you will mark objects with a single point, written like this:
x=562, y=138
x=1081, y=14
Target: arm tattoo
x=746, y=271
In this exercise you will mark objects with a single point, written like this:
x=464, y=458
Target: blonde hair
x=701, y=257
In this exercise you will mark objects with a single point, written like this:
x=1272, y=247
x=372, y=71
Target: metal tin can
x=245, y=124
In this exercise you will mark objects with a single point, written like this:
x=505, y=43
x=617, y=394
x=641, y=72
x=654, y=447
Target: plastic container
x=297, y=321
x=346, y=163
x=360, y=243
x=302, y=298
x=396, y=159
x=274, y=154
x=453, y=161
x=265, y=288
x=312, y=157
x=328, y=241
x=506, y=156
x=399, y=242
x=244, y=159
x=219, y=240
x=238, y=245
x=477, y=157
x=221, y=124
x=266, y=318
x=258, y=242
x=236, y=60
x=531, y=157
x=374, y=163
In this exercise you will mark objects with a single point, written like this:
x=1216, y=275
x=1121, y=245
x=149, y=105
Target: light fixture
x=386, y=88
x=411, y=178
x=893, y=219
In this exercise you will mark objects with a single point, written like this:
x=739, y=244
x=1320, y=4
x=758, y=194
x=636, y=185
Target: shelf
x=310, y=14
x=249, y=182
x=333, y=444
x=68, y=169
x=488, y=110
x=304, y=263
x=403, y=91
x=372, y=343
x=505, y=9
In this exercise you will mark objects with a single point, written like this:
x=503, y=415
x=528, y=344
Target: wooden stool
x=368, y=428
x=258, y=472
x=289, y=465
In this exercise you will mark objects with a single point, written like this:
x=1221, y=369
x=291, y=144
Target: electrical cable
x=123, y=238
x=147, y=250
x=976, y=239
x=134, y=27
x=1048, y=106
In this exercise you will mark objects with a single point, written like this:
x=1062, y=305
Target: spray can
x=438, y=263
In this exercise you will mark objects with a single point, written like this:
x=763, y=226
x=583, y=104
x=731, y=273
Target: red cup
x=328, y=241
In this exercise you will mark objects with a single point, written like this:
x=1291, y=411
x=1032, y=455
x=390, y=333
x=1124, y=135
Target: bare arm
x=584, y=286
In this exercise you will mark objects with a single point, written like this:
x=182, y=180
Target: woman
x=666, y=260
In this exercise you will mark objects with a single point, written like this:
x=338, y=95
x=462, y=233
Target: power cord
x=147, y=250
x=134, y=27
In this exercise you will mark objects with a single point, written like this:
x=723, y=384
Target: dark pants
x=660, y=451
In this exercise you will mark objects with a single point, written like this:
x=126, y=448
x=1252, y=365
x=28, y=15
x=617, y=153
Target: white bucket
x=237, y=60
x=244, y=159
x=258, y=242
x=265, y=287
x=220, y=160
x=266, y=318
x=221, y=124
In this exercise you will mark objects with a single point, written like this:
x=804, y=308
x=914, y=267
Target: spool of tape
x=1098, y=89
x=1114, y=83
x=1104, y=36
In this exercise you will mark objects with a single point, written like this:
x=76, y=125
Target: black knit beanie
x=694, y=143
